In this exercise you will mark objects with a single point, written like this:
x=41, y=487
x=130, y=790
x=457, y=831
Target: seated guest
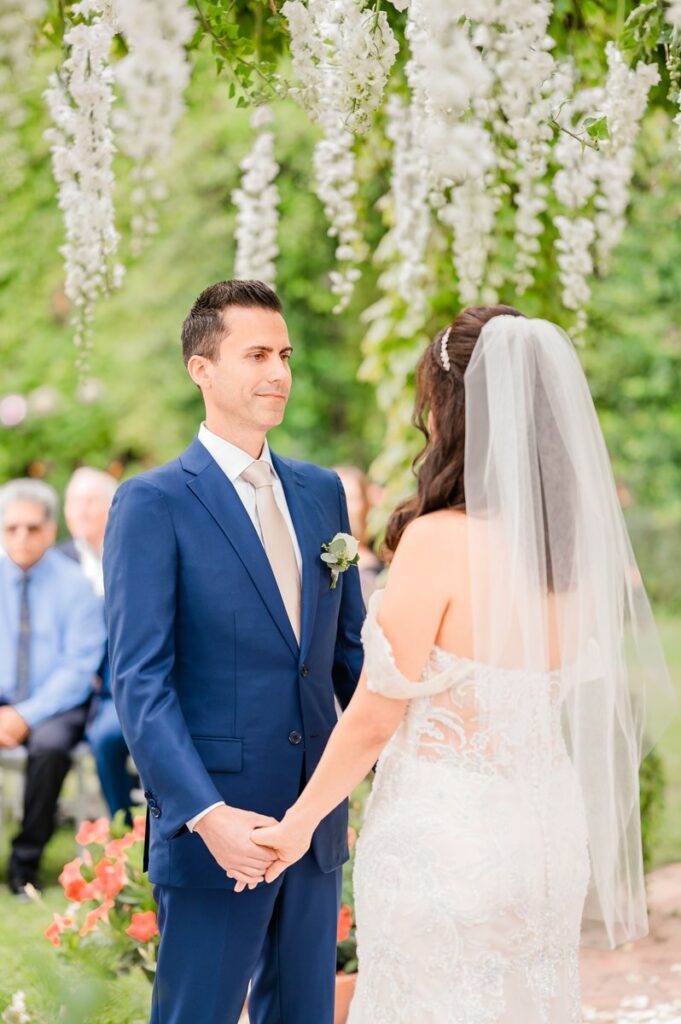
x=87, y=501
x=357, y=494
x=52, y=640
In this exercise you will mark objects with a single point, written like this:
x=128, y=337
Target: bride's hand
x=290, y=840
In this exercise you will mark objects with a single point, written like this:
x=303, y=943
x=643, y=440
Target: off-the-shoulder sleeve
x=383, y=675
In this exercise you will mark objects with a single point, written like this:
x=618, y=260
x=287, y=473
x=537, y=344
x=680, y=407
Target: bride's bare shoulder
x=425, y=536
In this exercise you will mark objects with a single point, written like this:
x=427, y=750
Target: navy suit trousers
x=280, y=936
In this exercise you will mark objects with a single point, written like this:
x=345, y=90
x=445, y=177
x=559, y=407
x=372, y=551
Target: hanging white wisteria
x=257, y=201
x=152, y=79
x=18, y=22
x=528, y=91
x=593, y=180
x=491, y=140
x=625, y=98
x=342, y=52
x=80, y=98
x=403, y=247
x=575, y=262
x=447, y=74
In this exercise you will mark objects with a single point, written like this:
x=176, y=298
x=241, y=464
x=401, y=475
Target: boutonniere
x=339, y=554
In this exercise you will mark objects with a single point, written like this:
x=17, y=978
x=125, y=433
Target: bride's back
x=440, y=559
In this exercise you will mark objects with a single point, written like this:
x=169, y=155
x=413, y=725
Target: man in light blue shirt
x=52, y=640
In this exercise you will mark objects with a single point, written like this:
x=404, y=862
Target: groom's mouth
x=271, y=394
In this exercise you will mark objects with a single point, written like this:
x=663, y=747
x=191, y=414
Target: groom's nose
x=278, y=371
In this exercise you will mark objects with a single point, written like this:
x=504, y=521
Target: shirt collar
x=15, y=574
x=231, y=460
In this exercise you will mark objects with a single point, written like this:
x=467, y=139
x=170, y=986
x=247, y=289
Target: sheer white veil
x=555, y=589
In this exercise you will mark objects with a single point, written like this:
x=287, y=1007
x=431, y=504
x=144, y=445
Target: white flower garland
x=529, y=89
x=403, y=247
x=342, y=54
x=573, y=254
x=625, y=99
x=336, y=186
x=446, y=73
x=80, y=98
x=152, y=78
x=257, y=201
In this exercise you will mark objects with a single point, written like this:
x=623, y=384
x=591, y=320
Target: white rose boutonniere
x=339, y=554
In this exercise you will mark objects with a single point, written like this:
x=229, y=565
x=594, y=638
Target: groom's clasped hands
x=250, y=847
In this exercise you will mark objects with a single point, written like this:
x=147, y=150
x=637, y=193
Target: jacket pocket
x=220, y=754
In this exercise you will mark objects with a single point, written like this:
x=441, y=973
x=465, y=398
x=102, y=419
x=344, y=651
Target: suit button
x=147, y=794
x=304, y=670
x=155, y=811
x=294, y=738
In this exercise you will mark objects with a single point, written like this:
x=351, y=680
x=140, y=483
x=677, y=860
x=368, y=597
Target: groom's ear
x=198, y=369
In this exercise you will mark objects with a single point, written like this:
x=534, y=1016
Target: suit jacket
x=216, y=699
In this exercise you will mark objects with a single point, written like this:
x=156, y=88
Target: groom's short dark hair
x=205, y=326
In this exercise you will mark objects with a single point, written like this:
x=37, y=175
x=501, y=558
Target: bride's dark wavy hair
x=439, y=466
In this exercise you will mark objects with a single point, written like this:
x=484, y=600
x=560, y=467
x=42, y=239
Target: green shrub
x=652, y=782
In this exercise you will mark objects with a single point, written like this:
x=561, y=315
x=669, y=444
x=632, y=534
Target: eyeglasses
x=32, y=528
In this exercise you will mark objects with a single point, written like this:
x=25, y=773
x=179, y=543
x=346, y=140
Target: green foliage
x=652, y=787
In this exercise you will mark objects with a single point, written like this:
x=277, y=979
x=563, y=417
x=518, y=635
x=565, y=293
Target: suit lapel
x=218, y=495
x=294, y=489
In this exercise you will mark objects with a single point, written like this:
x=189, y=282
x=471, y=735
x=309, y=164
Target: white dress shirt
x=91, y=564
x=233, y=461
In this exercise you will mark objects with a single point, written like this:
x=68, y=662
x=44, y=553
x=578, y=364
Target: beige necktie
x=276, y=539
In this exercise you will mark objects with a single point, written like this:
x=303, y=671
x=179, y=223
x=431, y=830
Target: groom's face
x=251, y=380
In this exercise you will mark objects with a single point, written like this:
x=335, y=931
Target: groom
x=227, y=646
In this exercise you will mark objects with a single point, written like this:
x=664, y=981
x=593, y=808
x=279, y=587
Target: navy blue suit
x=218, y=702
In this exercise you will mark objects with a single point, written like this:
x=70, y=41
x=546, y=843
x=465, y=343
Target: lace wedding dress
x=472, y=866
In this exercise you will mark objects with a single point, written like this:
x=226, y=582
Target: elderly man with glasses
x=52, y=639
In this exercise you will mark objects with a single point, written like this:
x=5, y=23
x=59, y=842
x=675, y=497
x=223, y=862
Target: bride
x=512, y=681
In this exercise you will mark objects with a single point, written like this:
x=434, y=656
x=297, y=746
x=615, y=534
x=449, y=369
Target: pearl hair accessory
x=444, y=354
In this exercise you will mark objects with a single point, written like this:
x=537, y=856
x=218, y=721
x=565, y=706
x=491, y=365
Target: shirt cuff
x=30, y=711
x=193, y=822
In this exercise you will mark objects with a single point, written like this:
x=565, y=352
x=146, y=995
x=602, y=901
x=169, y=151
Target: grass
x=28, y=962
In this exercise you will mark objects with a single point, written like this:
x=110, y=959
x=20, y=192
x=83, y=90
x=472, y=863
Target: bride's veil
x=556, y=593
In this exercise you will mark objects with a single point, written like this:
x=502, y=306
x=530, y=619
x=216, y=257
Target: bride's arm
x=411, y=611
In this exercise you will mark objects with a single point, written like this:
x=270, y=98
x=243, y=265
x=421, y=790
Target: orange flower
x=79, y=890
x=71, y=871
x=352, y=837
x=59, y=925
x=111, y=877
x=93, y=832
x=344, y=923
x=75, y=887
x=100, y=913
x=143, y=926
x=117, y=847
x=139, y=826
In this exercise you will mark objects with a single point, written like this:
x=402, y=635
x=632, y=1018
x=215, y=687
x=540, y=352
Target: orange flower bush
x=111, y=913
x=344, y=923
x=143, y=927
